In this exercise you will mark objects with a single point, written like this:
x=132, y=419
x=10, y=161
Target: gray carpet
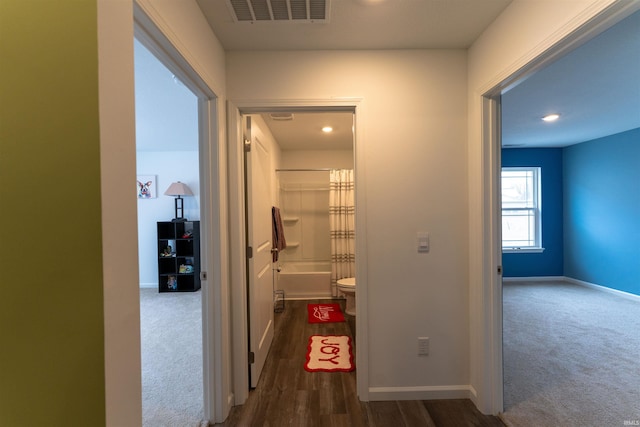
x=171, y=336
x=571, y=356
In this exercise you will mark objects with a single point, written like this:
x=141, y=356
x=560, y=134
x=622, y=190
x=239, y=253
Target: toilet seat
x=347, y=283
x=348, y=287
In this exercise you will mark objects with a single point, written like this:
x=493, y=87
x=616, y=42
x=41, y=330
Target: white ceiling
x=595, y=88
x=304, y=131
x=362, y=24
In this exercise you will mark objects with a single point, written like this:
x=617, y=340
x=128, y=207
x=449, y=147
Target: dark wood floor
x=287, y=395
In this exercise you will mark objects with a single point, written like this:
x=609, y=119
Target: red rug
x=324, y=313
x=329, y=353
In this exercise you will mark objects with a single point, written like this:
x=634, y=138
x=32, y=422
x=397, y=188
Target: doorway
x=170, y=301
x=240, y=288
x=490, y=193
x=206, y=180
x=555, y=155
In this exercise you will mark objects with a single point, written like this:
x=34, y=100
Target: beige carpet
x=171, y=338
x=571, y=356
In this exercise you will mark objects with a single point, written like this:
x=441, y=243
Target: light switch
x=423, y=241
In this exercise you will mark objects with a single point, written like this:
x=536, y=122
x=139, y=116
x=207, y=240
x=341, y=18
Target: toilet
x=348, y=287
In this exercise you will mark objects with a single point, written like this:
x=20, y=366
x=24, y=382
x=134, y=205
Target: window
x=521, y=209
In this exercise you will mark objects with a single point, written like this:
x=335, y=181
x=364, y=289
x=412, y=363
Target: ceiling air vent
x=281, y=117
x=303, y=11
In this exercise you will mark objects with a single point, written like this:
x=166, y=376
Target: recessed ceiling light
x=551, y=117
x=327, y=129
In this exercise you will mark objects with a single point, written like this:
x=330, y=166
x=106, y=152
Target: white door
x=259, y=258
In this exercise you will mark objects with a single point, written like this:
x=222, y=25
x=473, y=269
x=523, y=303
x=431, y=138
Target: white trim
x=535, y=173
x=421, y=392
x=573, y=281
x=601, y=288
x=237, y=233
x=490, y=397
x=148, y=285
x=534, y=279
x=237, y=239
x=522, y=250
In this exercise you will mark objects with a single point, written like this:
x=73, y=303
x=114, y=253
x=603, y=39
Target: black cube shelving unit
x=178, y=256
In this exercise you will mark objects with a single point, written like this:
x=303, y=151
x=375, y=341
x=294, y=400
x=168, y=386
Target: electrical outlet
x=423, y=346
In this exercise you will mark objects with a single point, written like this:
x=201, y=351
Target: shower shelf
x=292, y=244
x=291, y=219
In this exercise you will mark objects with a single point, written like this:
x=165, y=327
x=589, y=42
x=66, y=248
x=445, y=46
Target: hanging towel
x=277, y=233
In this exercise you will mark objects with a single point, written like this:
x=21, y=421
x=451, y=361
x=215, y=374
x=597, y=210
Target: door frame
x=211, y=157
x=489, y=301
x=237, y=234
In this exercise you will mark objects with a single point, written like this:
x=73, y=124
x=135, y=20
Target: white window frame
x=535, y=211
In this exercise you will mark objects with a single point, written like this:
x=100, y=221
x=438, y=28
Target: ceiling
x=361, y=24
x=595, y=88
x=304, y=131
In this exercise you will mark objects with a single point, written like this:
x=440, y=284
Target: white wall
x=168, y=167
x=310, y=159
x=415, y=154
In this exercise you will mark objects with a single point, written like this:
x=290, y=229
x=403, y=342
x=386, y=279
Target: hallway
x=287, y=395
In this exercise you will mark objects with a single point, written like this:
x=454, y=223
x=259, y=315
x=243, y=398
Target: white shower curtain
x=342, y=226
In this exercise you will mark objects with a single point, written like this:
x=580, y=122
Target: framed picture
x=146, y=187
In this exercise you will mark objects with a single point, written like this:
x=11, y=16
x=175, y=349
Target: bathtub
x=305, y=279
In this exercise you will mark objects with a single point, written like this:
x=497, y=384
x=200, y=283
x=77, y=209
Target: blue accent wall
x=602, y=211
x=549, y=262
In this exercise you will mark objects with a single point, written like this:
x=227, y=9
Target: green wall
x=51, y=304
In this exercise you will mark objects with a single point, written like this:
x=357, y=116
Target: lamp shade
x=178, y=189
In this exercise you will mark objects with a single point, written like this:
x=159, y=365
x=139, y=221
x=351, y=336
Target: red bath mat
x=329, y=353
x=324, y=313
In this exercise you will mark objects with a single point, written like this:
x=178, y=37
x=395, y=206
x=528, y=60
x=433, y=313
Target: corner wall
x=602, y=211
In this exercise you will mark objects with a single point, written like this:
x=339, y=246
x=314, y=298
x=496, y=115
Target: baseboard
x=623, y=294
x=535, y=279
x=473, y=395
x=421, y=393
x=148, y=285
x=571, y=280
x=299, y=298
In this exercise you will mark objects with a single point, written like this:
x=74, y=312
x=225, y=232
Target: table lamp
x=179, y=189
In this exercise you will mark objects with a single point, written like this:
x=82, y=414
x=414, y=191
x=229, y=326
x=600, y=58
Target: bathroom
x=308, y=161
